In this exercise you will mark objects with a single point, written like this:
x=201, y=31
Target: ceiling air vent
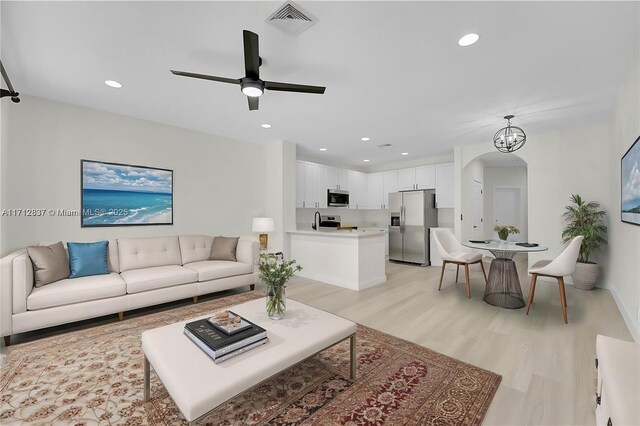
x=291, y=18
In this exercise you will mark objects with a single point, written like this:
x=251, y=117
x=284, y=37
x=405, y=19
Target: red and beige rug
x=95, y=376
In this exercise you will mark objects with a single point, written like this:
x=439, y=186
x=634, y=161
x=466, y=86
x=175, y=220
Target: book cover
x=220, y=342
x=229, y=351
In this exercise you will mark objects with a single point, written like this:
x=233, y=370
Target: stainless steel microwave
x=337, y=198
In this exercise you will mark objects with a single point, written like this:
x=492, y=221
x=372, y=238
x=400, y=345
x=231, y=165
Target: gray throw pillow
x=224, y=248
x=50, y=263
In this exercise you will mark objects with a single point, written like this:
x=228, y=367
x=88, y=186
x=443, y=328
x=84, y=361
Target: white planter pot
x=586, y=275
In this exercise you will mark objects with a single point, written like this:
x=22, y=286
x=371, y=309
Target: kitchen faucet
x=316, y=221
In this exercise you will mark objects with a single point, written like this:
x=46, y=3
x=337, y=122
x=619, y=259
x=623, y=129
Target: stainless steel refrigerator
x=412, y=214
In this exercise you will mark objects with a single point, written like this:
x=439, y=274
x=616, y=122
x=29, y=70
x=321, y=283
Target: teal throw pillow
x=88, y=258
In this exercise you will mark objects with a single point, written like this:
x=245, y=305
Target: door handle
x=474, y=226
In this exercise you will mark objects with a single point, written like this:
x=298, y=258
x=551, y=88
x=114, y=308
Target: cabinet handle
x=303, y=204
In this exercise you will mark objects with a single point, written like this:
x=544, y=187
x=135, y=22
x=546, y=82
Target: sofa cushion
x=83, y=289
x=159, y=277
x=224, y=248
x=214, y=269
x=139, y=253
x=194, y=248
x=87, y=259
x=50, y=263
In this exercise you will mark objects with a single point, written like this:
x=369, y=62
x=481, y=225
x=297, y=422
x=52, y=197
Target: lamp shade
x=262, y=224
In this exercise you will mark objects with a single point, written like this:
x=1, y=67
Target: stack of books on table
x=225, y=335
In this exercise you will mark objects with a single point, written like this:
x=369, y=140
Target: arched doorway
x=494, y=189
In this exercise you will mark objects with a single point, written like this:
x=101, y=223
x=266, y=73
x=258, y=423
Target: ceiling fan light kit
x=510, y=138
x=251, y=84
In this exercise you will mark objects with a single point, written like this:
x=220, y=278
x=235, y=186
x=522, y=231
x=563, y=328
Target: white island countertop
x=356, y=233
x=353, y=259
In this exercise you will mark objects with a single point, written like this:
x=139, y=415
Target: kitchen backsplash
x=362, y=218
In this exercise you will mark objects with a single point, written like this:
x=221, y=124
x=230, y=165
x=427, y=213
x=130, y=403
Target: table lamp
x=263, y=225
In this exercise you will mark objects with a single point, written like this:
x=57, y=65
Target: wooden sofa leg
x=195, y=299
x=252, y=287
x=7, y=341
x=120, y=316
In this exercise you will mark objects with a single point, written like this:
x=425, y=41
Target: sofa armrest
x=247, y=252
x=7, y=292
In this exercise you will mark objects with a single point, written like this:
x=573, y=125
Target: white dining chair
x=451, y=251
x=558, y=268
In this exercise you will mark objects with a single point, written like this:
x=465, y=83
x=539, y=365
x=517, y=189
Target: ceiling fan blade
x=207, y=77
x=288, y=87
x=251, y=54
x=253, y=102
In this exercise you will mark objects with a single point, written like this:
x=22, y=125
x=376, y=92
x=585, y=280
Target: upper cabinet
x=358, y=190
x=370, y=190
x=414, y=178
x=300, y=187
x=444, y=186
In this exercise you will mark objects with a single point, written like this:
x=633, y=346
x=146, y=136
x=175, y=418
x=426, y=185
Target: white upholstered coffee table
x=197, y=385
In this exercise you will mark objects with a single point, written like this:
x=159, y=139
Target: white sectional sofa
x=144, y=272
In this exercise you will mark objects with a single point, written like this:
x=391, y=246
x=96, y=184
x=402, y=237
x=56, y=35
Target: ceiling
x=393, y=70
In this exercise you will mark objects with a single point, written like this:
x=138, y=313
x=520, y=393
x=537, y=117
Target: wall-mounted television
x=630, y=185
x=114, y=194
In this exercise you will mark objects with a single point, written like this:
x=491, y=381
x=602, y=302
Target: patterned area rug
x=95, y=376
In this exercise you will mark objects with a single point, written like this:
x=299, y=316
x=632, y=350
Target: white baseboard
x=629, y=319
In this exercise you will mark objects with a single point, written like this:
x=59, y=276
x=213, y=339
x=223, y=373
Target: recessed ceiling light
x=404, y=153
x=468, y=40
x=365, y=139
x=113, y=83
x=323, y=149
x=266, y=125
x=366, y=161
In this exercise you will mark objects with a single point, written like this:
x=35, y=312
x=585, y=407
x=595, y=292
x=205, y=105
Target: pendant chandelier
x=510, y=138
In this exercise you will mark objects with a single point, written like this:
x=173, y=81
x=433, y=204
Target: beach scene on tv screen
x=631, y=185
x=125, y=195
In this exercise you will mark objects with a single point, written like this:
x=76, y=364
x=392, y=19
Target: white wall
x=219, y=183
x=501, y=177
x=571, y=161
x=623, y=274
x=280, y=190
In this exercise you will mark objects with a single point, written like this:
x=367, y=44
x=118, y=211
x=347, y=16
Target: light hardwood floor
x=547, y=367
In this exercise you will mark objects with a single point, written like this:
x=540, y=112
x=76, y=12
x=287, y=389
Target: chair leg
x=442, y=274
x=457, y=272
x=563, y=299
x=486, y=281
x=532, y=291
x=466, y=274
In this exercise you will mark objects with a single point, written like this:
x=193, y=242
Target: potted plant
x=585, y=219
x=504, y=231
x=274, y=272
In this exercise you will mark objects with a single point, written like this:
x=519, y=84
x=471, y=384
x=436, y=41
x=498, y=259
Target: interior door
x=477, y=231
x=414, y=227
x=506, y=208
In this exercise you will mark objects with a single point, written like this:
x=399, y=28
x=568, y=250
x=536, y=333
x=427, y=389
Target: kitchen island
x=350, y=259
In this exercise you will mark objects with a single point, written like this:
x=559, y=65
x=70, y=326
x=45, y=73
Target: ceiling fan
x=251, y=84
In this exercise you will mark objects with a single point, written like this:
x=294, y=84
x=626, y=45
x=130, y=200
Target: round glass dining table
x=503, y=287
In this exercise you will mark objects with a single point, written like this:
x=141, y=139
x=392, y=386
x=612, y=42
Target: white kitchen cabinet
x=328, y=178
x=407, y=179
x=426, y=177
x=311, y=183
x=414, y=178
x=342, y=179
x=300, y=188
x=444, y=186
x=376, y=190
x=390, y=185
x=358, y=190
